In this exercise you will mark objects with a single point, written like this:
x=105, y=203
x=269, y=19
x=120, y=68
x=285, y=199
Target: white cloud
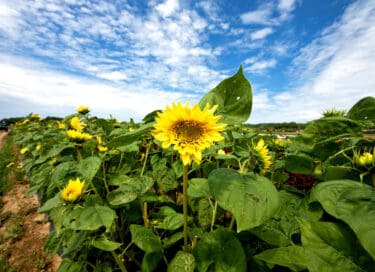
x=168, y=7
x=260, y=66
x=260, y=16
x=52, y=89
x=261, y=34
x=334, y=71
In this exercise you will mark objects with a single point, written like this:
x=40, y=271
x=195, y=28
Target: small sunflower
x=38, y=147
x=78, y=136
x=83, y=109
x=73, y=190
x=264, y=156
x=77, y=124
x=189, y=129
x=365, y=160
x=24, y=150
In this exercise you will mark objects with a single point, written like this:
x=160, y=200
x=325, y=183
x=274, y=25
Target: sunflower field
x=193, y=188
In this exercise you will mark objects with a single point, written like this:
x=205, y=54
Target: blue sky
x=126, y=58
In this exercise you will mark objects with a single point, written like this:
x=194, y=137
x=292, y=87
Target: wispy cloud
x=270, y=13
x=261, y=34
x=334, y=70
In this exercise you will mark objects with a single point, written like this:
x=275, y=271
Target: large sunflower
x=189, y=129
x=73, y=190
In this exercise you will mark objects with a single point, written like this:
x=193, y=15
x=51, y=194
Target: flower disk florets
x=189, y=129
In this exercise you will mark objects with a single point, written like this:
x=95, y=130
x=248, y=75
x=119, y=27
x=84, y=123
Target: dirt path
x=23, y=231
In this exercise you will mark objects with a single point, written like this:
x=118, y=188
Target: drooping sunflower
x=189, y=129
x=73, y=190
x=263, y=155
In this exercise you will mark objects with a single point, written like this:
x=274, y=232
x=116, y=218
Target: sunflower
x=77, y=124
x=78, y=136
x=24, y=150
x=189, y=129
x=264, y=156
x=83, y=109
x=73, y=190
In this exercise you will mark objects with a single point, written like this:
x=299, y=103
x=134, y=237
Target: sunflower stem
x=118, y=262
x=213, y=217
x=185, y=206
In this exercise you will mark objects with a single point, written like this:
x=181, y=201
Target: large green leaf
x=353, y=203
x=251, y=198
x=220, y=251
x=279, y=229
x=182, y=262
x=326, y=246
x=88, y=167
x=146, y=240
x=129, y=190
x=333, y=246
x=93, y=217
x=234, y=98
x=294, y=257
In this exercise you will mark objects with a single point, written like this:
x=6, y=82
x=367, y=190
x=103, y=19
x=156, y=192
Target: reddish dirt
x=23, y=231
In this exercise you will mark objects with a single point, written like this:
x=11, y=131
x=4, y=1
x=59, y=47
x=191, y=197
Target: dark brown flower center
x=188, y=130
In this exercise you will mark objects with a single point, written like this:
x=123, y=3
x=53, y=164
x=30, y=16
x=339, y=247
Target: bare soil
x=23, y=231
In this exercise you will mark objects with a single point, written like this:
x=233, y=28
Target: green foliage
x=234, y=98
x=129, y=215
x=364, y=109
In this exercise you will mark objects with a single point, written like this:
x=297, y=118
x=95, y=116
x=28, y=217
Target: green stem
x=185, y=206
x=118, y=261
x=145, y=214
x=105, y=179
x=231, y=224
x=213, y=216
x=145, y=159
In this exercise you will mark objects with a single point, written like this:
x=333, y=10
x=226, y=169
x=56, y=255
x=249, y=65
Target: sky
x=127, y=58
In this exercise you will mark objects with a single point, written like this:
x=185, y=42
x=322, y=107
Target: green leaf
x=182, y=262
x=68, y=265
x=353, y=203
x=94, y=217
x=146, y=240
x=104, y=244
x=74, y=241
x=220, y=251
x=51, y=203
x=204, y=213
x=130, y=137
x=300, y=163
x=129, y=190
x=294, y=257
x=234, y=98
x=333, y=245
x=251, y=198
x=88, y=167
x=198, y=187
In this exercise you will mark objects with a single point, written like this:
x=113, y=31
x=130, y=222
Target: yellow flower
x=221, y=152
x=10, y=164
x=24, y=150
x=131, y=129
x=77, y=124
x=83, y=109
x=99, y=139
x=264, y=156
x=364, y=160
x=60, y=125
x=78, y=136
x=73, y=190
x=38, y=147
x=36, y=116
x=102, y=148
x=19, y=166
x=189, y=129
x=25, y=121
